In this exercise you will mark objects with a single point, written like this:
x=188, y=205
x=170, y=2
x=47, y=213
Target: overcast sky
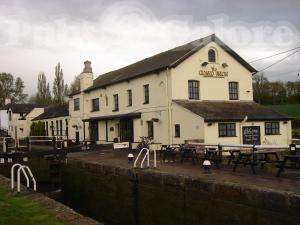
x=36, y=35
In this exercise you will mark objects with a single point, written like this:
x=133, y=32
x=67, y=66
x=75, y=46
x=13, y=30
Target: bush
x=37, y=129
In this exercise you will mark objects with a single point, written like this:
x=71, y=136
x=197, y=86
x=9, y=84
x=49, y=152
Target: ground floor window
x=150, y=129
x=272, y=128
x=227, y=130
x=177, y=130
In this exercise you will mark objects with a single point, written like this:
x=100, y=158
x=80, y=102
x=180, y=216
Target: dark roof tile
x=213, y=111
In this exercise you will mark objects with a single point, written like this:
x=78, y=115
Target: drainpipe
x=241, y=132
x=169, y=107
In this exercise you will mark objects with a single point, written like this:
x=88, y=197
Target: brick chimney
x=87, y=76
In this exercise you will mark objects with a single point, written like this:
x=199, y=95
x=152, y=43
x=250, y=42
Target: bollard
x=293, y=149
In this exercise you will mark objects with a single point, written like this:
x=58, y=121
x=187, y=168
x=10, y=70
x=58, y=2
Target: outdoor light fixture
x=204, y=64
x=155, y=120
x=130, y=158
x=225, y=65
x=209, y=124
x=206, y=166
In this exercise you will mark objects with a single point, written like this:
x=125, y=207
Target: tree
x=43, y=95
x=58, y=86
x=75, y=85
x=260, y=88
x=11, y=88
x=19, y=96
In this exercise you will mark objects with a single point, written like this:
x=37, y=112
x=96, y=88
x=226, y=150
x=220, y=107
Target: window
x=233, y=91
x=227, y=130
x=150, y=129
x=129, y=93
x=76, y=104
x=57, y=128
x=61, y=128
x=272, y=128
x=52, y=128
x=211, y=55
x=146, y=94
x=106, y=100
x=177, y=130
x=116, y=102
x=194, y=89
x=95, y=105
x=47, y=128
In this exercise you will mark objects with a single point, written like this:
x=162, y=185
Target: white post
x=12, y=179
x=4, y=145
x=154, y=158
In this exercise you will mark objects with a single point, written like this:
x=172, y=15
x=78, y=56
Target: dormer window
x=211, y=55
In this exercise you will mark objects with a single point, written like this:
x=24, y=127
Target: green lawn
x=20, y=210
x=289, y=109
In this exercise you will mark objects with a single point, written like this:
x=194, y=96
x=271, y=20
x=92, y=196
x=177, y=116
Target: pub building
x=200, y=91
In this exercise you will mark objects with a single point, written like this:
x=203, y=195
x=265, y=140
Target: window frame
x=212, y=58
x=273, y=130
x=76, y=103
x=194, y=90
x=150, y=128
x=129, y=96
x=116, y=102
x=177, y=131
x=95, y=107
x=146, y=94
x=228, y=131
x=233, y=88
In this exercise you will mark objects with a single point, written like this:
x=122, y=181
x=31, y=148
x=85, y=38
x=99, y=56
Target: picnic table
x=169, y=151
x=256, y=157
x=188, y=152
x=289, y=162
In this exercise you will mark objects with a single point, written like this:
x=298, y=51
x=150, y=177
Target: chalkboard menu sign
x=251, y=135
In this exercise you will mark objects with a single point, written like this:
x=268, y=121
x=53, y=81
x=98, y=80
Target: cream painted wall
x=21, y=128
x=156, y=108
x=191, y=125
x=212, y=134
x=63, y=119
x=211, y=88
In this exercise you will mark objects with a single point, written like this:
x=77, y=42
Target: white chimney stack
x=87, y=76
x=7, y=101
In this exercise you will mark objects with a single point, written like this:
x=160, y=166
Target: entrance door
x=94, y=131
x=251, y=135
x=126, y=130
x=77, y=137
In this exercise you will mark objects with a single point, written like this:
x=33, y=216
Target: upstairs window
x=95, y=105
x=129, y=93
x=116, y=102
x=76, y=104
x=211, y=55
x=233, y=91
x=272, y=128
x=146, y=94
x=227, y=130
x=193, y=89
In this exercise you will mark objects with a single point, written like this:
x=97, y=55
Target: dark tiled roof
x=21, y=108
x=213, y=111
x=111, y=117
x=53, y=112
x=159, y=62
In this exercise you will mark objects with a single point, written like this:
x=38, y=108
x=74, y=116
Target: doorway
x=126, y=130
x=94, y=131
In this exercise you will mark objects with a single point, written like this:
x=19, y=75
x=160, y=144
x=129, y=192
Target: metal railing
x=146, y=156
x=27, y=174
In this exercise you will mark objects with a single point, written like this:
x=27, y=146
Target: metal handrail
x=147, y=156
x=22, y=168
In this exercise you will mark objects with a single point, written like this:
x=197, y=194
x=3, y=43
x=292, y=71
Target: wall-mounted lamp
x=204, y=64
x=225, y=65
x=209, y=124
x=155, y=120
